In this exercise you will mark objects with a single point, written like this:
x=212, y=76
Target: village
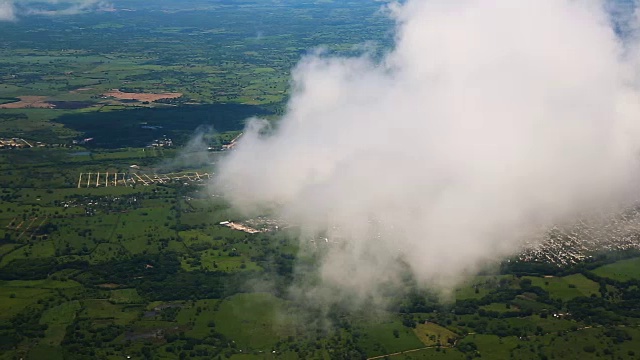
x=561, y=246
x=568, y=245
x=18, y=143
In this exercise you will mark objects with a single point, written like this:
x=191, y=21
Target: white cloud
x=7, y=11
x=490, y=118
x=12, y=9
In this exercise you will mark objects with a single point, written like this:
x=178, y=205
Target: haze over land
x=488, y=121
x=11, y=10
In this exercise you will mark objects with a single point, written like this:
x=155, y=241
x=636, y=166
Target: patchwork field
x=145, y=269
x=28, y=102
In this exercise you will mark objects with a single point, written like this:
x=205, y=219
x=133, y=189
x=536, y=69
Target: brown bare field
x=141, y=96
x=28, y=102
x=109, y=286
x=242, y=227
x=80, y=90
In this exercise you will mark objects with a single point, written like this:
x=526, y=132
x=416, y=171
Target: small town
x=564, y=246
x=17, y=143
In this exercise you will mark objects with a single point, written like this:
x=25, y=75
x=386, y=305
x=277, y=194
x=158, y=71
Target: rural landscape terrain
x=115, y=245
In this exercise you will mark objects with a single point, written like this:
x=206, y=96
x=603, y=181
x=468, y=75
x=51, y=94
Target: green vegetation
x=228, y=60
x=57, y=319
x=623, y=270
x=386, y=337
x=567, y=287
x=251, y=319
x=433, y=334
x=106, y=268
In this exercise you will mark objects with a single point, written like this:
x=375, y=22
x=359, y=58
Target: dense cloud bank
x=488, y=121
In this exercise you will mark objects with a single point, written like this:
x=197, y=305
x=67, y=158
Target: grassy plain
x=567, y=287
x=622, y=270
x=432, y=334
x=106, y=272
x=389, y=337
x=252, y=320
x=57, y=319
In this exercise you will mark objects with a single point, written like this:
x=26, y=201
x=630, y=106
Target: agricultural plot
x=106, y=225
x=201, y=315
x=15, y=299
x=46, y=352
x=567, y=287
x=547, y=325
x=427, y=354
x=249, y=319
x=125, y=296
x=57, y=231
x=480, y=286
x=105, y=312
x=85, y=79
x=57, y=319
x=622, y=270
x=112, y=248
x=491, y=346
x=432, y=334
x=389, y=337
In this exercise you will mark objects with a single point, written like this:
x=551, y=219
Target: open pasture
x=566, y=287
x=252, y=320
x=622, y=270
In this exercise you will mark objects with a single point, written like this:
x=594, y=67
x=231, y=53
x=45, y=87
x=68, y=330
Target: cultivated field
x=141, y=96
x=28, y=102
x=114, y=247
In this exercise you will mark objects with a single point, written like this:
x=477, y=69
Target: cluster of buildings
x=575, y=243
x=164, y=142
x=561, y=245
x=256, y=225
x=82, y=141
x=240, y=226
x=16, y=143
x=232, y=143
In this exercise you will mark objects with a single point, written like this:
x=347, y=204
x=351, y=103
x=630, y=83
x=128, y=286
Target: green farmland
x=114, y=244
